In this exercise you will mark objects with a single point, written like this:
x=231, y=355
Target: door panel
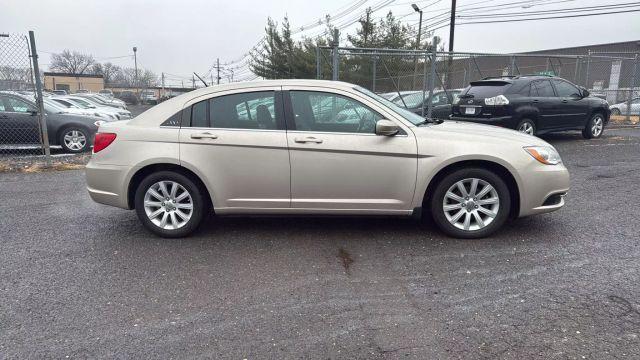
x=549, y=106
x=246, y=168
x=573, y=108
x=355, y=171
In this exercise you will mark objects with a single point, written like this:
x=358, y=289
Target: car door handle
x=565, y=101
x=308, y=139
x=204, y=135
x=536, y=100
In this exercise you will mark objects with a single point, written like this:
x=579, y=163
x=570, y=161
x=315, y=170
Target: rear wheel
x=595, y=127
x=527, y=126
x=470, y=203
x=169, y=204
x=74, y=140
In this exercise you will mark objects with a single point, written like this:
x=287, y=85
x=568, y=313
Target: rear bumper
x=504, y=121
x=106, y=184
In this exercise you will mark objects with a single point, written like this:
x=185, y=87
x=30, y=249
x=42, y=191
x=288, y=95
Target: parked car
x=212, y=150
x=103, y=101
x=106, y=93
x=532, y=104
x=129, y=97
x=148, y=97
x=90, y=103
x=440, y=99
x=59, y=92
x=19, y=124
x=621, y=108
x=82, y=91
x=75, y=107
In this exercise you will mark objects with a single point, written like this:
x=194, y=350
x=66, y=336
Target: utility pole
x=193, y=81
x=163, y=93
x=452, y=28
x=135, y=61
x=218, y=69
x=415, y=60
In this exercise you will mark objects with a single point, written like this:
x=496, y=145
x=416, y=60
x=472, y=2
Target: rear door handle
x=536, y=101
x=565, y=101
x=308, y=139
x=204, y=135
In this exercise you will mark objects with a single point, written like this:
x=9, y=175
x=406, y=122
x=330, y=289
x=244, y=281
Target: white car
x=104, y=101
x=76, y=108
x=276, y=147
x=148, y=97
x=621, y=108
x=89, y=103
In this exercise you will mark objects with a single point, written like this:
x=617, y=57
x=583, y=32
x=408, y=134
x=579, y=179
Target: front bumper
x=543, y=188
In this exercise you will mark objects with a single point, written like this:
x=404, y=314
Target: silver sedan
x=280, y=147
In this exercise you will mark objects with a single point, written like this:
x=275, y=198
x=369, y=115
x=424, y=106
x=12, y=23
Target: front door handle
x=308, y=139
x=204, y=135
x=536, y=100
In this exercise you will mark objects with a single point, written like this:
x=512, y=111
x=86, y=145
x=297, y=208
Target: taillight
x=102, y=140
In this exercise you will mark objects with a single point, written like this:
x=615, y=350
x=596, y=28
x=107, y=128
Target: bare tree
x=108, y=71
x=71, y=62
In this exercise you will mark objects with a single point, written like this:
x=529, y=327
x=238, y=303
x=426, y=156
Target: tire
x=178, y=221
x=595, y=127
x=454, y=221
x=615, y=112
x=75, y=139
x=527, y=126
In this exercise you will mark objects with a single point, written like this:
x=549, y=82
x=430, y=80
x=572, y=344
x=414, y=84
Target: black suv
x=534, y=104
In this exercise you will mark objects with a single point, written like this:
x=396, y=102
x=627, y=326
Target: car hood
x=478, y=132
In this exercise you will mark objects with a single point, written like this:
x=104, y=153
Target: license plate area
x=469, y=110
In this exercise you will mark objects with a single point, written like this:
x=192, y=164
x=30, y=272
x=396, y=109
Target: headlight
x=497, y=100
x=98, y=123
x=544, y=154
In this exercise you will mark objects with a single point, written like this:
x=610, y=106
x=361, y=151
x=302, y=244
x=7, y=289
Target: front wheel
x=470, y=203
x=615, y=112
x=594, y=128
x=169, y=204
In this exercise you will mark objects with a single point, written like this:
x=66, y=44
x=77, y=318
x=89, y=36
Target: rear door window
x=544, y=88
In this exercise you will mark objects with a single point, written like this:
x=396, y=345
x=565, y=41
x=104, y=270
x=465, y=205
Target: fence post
x=375, y=72
x=424, y=80
x=41, y=116
x=512, y=66
x=434, y=54
x=586, y=80
x=576, y=73
x=633, y=86
x=336, y=43
x=318, y=64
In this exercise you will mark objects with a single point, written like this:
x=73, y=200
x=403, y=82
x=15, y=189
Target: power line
x=549, y=18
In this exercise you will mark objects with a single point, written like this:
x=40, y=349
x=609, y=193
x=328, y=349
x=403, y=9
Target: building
x=73, y=82
x=159, y=91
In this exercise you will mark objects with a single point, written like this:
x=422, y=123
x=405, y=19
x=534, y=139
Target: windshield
x=52, y=107
x=486, y=89
x=406, y=114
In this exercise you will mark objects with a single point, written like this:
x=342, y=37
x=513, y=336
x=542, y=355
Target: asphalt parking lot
x=81, y=280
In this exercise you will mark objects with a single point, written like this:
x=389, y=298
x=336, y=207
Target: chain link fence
x=411, y=74
x=21, y=117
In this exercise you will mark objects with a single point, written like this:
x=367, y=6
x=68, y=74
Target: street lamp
x=135, y=61
x=415, y=61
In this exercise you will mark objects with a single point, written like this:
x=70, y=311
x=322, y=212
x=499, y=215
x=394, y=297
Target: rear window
x=487, y=89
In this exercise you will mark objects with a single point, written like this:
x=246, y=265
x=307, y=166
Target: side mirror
x=585, y=92
x=33, y=112
x=386, y=128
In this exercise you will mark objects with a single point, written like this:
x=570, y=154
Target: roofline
x=74, y=75
x=637, y=43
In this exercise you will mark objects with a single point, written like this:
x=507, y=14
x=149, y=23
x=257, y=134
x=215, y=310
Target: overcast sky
x=181, y=36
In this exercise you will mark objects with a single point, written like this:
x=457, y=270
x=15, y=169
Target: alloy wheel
x=526, y=128
x=471, y=204
x=168, y=205
x=75, y=140
x=597, y=126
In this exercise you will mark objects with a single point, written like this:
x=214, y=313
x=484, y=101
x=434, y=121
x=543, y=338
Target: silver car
x=623, y=108
x=276, y=147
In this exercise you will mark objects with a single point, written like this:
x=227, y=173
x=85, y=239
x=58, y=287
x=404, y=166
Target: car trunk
x=472, y=101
